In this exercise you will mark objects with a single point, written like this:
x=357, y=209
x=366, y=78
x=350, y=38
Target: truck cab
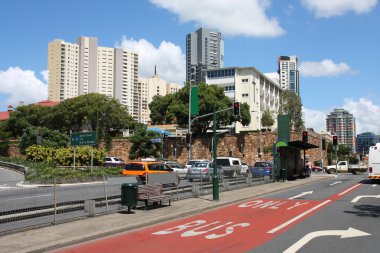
x=374, y=162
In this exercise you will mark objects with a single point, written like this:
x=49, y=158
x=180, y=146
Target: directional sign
x=350, y=232
x=83, y=139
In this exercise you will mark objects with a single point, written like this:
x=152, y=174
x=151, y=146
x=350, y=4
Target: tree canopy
x=290, y=103
x=174, y=108
x=266, y=119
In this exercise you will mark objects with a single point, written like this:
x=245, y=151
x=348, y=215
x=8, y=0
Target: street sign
x=156, y=140
x=83, y=139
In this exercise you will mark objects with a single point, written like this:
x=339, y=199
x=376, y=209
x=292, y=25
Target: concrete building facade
x=204, y=50
x=288, y=73
x=248, y=85
x=342, y=124
x=84, y=67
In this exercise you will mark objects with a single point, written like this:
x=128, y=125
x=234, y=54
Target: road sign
x=156, y=140
x=83, y=139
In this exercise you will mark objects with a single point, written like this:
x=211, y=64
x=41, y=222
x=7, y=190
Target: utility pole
x=215, y=181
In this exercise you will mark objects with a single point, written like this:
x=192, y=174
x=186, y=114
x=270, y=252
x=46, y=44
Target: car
x=244, y=168
x=316, y=168
x=191, y=162
x=141, y=169
x=180, y=169
x=113, y=161
x=262, y=169
x=202, y=170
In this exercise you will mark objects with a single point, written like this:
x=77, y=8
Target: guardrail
x=16, y=167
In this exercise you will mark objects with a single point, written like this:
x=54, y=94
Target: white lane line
x=297, y=217
x=36, y=196
x=349, y=189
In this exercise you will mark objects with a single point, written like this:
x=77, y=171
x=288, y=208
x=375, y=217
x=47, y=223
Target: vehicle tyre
x=331, y=171
x=210, y=178
x=190, y=180
x=356, y=172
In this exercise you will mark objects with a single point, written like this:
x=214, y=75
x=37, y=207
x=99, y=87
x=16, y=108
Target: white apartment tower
x=248, y=85
x=204, y=50
x=288, y=73
x=85, y=67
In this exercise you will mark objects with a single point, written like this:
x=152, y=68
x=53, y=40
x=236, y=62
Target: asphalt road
x=336, y=215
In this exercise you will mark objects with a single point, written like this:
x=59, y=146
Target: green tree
x=174, y=108
x=290, y=103
x=49, y=138
x=143, y=146
x=266, y=119
x=4, y=136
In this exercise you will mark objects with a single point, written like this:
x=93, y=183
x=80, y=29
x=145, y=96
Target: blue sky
x=336, y=41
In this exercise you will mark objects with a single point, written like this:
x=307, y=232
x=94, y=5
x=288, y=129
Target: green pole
x=215, y=181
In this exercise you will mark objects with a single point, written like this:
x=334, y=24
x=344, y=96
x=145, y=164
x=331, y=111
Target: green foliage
x=266, y=119
x=290, y=103
x=4, y=135
x=174, y=108
x=268, y=149
x=64, y=156
x=49, y=138
x=142, y=145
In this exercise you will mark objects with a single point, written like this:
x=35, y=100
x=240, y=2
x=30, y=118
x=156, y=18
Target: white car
x=113, y=161
x=180, y=169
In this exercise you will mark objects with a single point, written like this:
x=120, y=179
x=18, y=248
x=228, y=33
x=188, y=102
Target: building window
x=244, y=80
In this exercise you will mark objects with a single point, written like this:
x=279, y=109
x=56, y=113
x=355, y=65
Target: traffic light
x=305, y=136
x=323, y=144
x=335, y=140
x=236, y=109
x=188, y=135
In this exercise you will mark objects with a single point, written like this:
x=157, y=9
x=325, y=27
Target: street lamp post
x=259, y=119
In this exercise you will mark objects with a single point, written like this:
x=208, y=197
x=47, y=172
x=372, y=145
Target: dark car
x=262, y=169
x=316, y=168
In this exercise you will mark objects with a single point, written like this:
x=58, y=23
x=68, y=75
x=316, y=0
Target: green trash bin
x=129, y=195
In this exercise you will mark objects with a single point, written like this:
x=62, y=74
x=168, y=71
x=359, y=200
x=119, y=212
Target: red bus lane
x=238, y=228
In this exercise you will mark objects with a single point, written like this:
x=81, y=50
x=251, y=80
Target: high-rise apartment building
x=151, y=87
x=342, y=124
x=248, y=85
x=85, y=67
x=288, y=73
x=204, y=50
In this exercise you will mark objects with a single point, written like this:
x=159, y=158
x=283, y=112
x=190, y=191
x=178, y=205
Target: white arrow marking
x=374, y=185
x=302, y=194
x=350, y=232
x=337, y=182
x=364, y=196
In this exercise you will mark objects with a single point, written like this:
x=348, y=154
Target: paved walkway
x=52, y=237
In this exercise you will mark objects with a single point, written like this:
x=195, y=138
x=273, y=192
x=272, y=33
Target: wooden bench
x=152, y=194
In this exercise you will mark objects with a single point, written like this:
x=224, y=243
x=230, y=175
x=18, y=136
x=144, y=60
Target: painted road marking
x=298, y=217
x=349, y=189
x=35, y=196
x=350, y=232
x=337, y=182
x=364, y=196
x=302, y=194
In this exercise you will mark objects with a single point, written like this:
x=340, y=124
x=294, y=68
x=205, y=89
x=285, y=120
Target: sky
x=336, y=42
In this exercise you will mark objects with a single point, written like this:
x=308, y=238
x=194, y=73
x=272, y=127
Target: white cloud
x=45, y=75
x=324, y=68
x=18, y=85
x=330, y=8
x=315, y=119
x=168, y=57
x=366, y=114
x=238, y=17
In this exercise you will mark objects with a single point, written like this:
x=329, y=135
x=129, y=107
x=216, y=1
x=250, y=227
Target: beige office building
x=151, y=87
x=85, y=67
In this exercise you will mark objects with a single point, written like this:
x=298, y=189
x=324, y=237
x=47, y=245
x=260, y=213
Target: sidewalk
x=56, y=236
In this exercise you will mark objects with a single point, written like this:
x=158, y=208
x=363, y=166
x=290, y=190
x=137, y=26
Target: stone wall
x=243, y=145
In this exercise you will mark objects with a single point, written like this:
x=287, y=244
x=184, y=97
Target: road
x=339, y=214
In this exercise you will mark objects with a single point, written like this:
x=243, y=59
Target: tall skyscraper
x=342, y=124
x=85, y=67
x=288, y=73
x=204, y=50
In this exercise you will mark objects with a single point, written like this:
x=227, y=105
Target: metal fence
x=25, y=206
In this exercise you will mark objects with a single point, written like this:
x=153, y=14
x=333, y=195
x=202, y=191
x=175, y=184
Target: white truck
x=374, y=162
x=344, y=166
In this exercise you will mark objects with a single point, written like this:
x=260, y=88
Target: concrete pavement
x=57, y=236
